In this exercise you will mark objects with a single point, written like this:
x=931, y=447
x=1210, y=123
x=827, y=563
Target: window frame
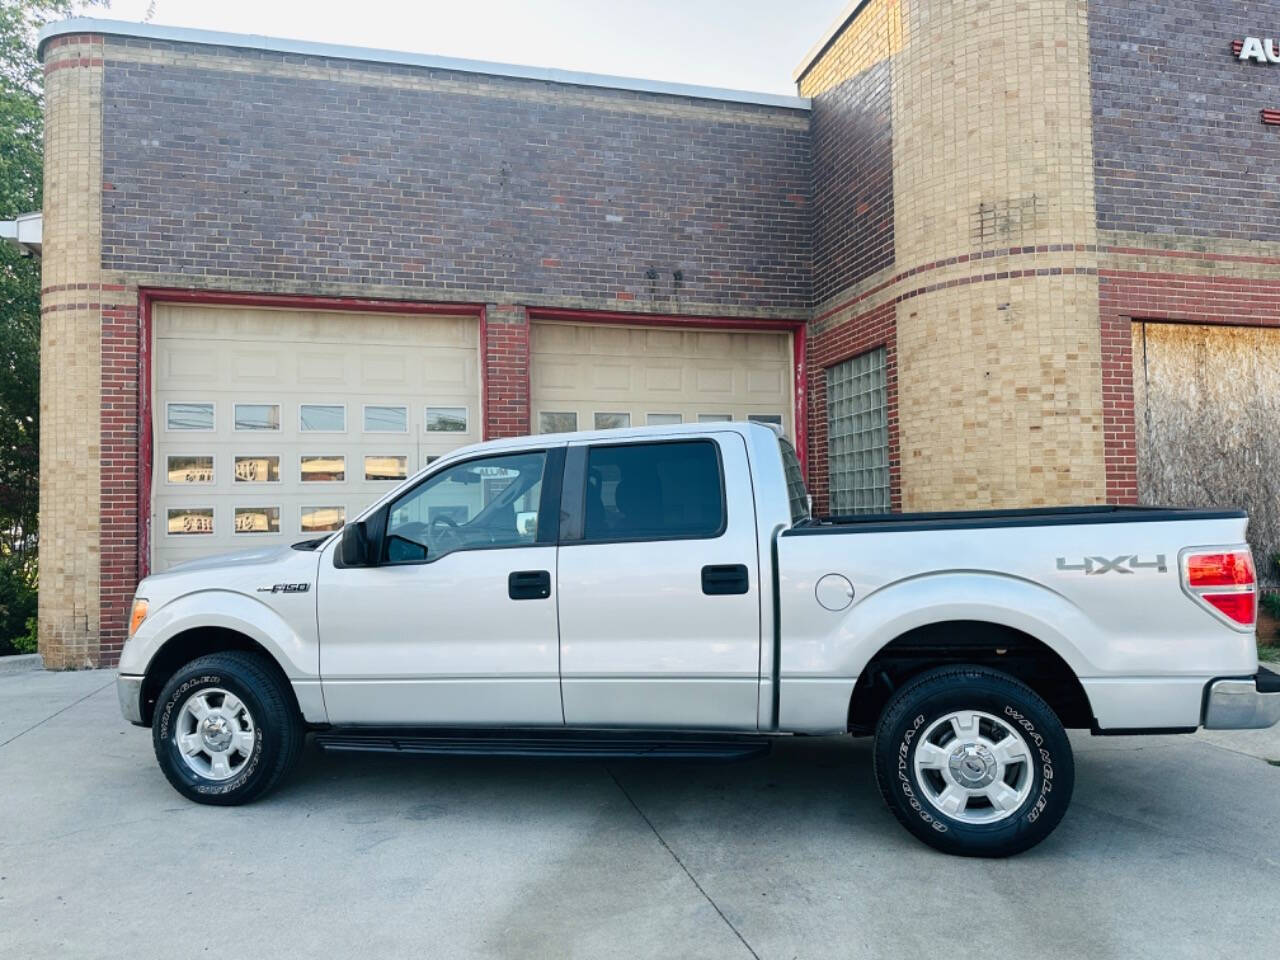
x=408, y=419
x=237, y=482
x=426, y=419
x=191, y=403
x=574, y=507
x=303, y=431
x=213, y=471
x=549, y=503
x=277, y=430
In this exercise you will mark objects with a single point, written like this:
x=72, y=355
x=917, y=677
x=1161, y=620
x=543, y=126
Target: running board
x=603, y=746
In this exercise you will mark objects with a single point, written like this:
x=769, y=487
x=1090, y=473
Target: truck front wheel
x=225, y=729
x=973, y=762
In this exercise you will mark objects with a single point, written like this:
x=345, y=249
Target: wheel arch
x=195, y=642
x=985, y=643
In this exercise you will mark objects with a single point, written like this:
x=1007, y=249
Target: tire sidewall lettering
x=167, y=736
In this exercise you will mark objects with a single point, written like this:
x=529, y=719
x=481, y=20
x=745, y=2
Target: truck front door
x=659, y=592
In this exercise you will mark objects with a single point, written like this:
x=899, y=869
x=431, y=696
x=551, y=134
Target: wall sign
x=1257, y=50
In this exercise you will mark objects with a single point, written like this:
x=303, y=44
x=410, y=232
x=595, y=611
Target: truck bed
x=1028, y=517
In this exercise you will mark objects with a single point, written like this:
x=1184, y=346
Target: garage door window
x=189, y=416
x=480, y=504
x=322, y=468
x=386, y=468
x=557, y=422
x=612, y=421
x=446, y=420
x=186, y=470
x=654, y=491
x=386, y=419
x=322, y=418
x=322, y=519
x=257, y=520
x=858, y=435
x=257, y=416
x=189, y=521
x=258, y=469
x=663, y=419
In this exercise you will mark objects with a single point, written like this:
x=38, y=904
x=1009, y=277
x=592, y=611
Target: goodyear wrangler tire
x=973, y=762
x=226, y=730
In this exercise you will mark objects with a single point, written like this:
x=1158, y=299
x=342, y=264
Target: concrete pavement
x=1171, y=849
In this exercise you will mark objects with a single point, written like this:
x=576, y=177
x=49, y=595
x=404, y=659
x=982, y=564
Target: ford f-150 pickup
x=665, y=592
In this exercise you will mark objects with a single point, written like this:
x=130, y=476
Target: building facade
x=994, y=254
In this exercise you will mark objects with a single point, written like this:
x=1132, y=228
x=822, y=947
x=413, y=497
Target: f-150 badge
x=1129, y=563
x=286, y=588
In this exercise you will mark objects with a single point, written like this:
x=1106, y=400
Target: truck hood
x=249, y=572
x=240, y=558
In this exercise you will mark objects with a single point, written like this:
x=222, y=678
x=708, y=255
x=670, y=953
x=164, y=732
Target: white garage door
x=273, y=426
x=586, y=377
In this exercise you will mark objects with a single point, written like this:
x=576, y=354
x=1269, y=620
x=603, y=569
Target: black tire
x=908, y=718
x=278, y=732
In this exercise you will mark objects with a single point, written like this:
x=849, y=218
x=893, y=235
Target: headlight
x=138, y=615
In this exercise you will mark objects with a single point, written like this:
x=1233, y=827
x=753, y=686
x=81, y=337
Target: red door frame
x=797, y=329
x=149, y=296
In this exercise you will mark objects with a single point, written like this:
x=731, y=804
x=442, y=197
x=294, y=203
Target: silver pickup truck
x=665, y=592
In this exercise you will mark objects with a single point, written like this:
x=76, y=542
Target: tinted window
x=481, y=503
x=797, y=495
x=652, y=491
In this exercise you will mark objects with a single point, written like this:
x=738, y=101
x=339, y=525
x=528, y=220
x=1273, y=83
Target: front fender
x=824, y=653
x=298, y=654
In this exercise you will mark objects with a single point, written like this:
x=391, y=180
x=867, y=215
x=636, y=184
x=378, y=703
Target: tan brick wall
x=874, y=36
x=1000, y=382
x=70, y=384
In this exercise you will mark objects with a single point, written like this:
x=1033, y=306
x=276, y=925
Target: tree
x=21, y=189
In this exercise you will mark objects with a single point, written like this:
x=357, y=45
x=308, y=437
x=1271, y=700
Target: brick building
x=1000, y=253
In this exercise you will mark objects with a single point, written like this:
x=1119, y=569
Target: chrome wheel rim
x=215, y=734
x=974, y=767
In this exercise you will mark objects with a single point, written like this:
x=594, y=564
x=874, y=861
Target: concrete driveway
x=1171, y=849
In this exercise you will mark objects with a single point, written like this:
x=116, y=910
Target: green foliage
x=1271, y=604
x=21, y=191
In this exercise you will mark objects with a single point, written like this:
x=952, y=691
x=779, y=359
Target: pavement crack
x=680, y=863
x=41, y=723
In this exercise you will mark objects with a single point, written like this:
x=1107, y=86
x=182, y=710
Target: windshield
x=797, y=494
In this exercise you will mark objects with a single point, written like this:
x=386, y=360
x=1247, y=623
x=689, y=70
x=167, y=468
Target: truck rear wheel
x=225, y=729
x=973, y=762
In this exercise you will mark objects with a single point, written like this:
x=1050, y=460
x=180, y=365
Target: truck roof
x=623, y=433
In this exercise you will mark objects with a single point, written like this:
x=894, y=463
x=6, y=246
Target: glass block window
x=858, y=435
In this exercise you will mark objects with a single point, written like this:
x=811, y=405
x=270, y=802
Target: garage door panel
x=328, y=368
x=664, y=373
x=223, y=489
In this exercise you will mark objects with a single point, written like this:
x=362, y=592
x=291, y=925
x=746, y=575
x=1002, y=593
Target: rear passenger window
x=654, y=491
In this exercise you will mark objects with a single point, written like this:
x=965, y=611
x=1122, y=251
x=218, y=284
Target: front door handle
x=529, y=585
x=725, y=579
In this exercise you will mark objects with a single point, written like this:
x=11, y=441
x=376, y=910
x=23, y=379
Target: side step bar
x=578, y=745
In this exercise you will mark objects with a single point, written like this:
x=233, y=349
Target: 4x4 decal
x=1128, y=563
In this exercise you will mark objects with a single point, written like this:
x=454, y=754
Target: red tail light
x=1224, y=581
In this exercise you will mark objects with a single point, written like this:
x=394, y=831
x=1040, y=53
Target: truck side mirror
x=357, y=550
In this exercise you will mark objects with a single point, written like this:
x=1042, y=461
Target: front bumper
x=129, y=692
x=1249, y=704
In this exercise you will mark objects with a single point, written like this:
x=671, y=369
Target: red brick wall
x=1169, y=297
x=833, y=345
x=118, y=533
x=506, y=371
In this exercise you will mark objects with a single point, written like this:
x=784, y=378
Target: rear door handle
x=725, y=579
x=529, y=585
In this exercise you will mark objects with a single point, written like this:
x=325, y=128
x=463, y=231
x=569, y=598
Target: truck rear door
x=658, y=584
